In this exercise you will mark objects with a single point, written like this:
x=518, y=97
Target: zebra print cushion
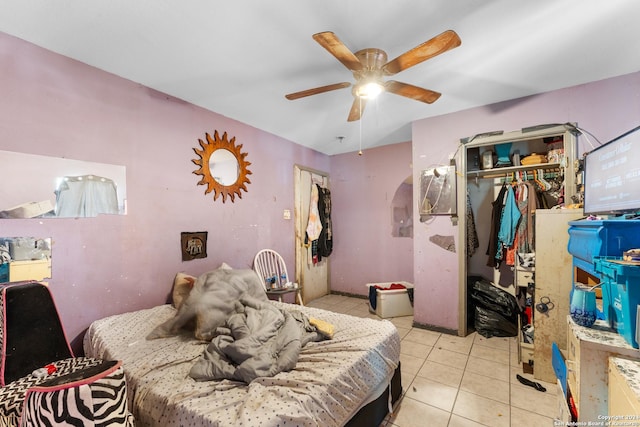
x=95, y=396
x=12, y=395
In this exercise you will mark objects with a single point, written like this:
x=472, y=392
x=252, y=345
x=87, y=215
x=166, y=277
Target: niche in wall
x=402, y=210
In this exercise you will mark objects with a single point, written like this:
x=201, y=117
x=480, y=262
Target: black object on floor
x=530, y=383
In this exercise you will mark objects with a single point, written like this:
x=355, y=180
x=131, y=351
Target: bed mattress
x=332, y=380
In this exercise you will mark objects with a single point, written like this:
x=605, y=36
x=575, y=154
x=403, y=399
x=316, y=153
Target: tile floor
x=457, y=381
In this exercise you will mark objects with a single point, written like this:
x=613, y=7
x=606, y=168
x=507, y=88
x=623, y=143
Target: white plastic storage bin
x=392, y=302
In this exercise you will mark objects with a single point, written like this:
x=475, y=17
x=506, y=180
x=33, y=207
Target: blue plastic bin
x=4, y=272
x=620, y=295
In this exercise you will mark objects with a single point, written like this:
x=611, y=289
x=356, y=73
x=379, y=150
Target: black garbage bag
x=489, y=296
x=489, y=324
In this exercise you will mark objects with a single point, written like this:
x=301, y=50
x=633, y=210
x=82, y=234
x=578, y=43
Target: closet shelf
x=502, y=171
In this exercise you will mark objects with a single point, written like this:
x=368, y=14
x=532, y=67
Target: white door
x=313, y=278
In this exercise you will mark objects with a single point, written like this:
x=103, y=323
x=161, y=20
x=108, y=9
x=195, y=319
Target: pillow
x=182, y=285
x=225, y=266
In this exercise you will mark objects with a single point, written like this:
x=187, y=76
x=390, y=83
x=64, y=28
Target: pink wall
x=362, y=190
x=54, y=106
x=606, y=109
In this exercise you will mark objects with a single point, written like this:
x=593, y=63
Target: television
x=612, y=176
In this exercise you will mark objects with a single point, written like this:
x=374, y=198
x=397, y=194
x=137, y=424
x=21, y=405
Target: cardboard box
x=392, y=302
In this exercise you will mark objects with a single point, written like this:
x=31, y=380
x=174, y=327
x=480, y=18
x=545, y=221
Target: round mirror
x=223, y=167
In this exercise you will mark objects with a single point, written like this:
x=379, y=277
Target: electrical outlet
x=286, y=214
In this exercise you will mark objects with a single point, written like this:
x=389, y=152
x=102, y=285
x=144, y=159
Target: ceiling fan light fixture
x=369, y=90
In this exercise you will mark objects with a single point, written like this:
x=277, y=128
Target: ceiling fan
x=369, y=66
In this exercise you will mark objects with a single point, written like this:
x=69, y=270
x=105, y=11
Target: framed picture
x=194, y=245
x=438, y=191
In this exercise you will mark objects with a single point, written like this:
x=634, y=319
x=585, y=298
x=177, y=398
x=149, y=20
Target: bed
x=351, y=379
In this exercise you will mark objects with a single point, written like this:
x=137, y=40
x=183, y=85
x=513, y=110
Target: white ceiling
x=239, y=58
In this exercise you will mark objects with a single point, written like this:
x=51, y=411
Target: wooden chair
x=272, y=271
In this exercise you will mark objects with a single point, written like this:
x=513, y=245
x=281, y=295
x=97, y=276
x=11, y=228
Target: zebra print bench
x=82, y=391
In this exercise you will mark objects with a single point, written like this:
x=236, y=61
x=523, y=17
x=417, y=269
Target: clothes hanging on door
x=325, y=240
x=319, y=232
x=314, y=224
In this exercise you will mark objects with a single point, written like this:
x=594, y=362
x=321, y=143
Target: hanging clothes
x=527, y=203
x=314, y=224
x=508, y=223
x=325, y=239
x=472, y=234
x=496, y=214
x=524, y=193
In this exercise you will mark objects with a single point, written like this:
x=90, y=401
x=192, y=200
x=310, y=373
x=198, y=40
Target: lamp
x=369, y=90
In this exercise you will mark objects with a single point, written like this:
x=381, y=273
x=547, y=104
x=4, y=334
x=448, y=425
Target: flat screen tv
x=612, y=176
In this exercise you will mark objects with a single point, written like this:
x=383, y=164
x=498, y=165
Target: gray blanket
x=250, y=337
x=259, y=340
x=211, y=301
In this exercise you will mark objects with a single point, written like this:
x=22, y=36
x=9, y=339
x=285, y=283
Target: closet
x=534, y=170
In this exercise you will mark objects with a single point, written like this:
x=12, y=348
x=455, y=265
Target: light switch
x=286, y=214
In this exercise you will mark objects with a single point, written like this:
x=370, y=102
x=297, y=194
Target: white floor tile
x=441, y=373
x=486, y=387
x=490, y=353
x=412, y=413
x=433, y=393
x=482, y=410
x=488, y=368
x=415, y=349
x=423, y=336
x=455, y=343
x=457, y=381
x=448, y=357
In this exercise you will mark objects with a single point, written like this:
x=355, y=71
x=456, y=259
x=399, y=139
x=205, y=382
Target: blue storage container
x=4, y=272
x=589, y=239
x=620, y=295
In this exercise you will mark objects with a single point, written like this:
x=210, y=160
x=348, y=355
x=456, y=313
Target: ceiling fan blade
x=332, y=43
x=410, y=91
x=357, y=108
x=437, y=45
x=316, y=90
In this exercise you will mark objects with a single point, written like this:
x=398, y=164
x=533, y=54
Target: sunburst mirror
x=223, y=167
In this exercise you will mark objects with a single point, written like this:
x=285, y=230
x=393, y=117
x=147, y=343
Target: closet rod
x=530, y=174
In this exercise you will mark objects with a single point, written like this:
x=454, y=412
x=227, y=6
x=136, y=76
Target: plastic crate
x=620, y=295
x=392, y=302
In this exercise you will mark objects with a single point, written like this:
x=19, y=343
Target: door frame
x=299, y=230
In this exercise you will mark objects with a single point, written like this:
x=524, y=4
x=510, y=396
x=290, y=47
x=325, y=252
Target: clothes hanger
x=536, y=179
x=547, y=184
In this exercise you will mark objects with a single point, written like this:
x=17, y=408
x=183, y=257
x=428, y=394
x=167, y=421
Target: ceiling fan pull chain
x=360, y=123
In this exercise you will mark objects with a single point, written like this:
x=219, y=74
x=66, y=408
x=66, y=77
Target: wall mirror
x=25, y=258
x=223, y=166
x=438, y=191
x=52, y=187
